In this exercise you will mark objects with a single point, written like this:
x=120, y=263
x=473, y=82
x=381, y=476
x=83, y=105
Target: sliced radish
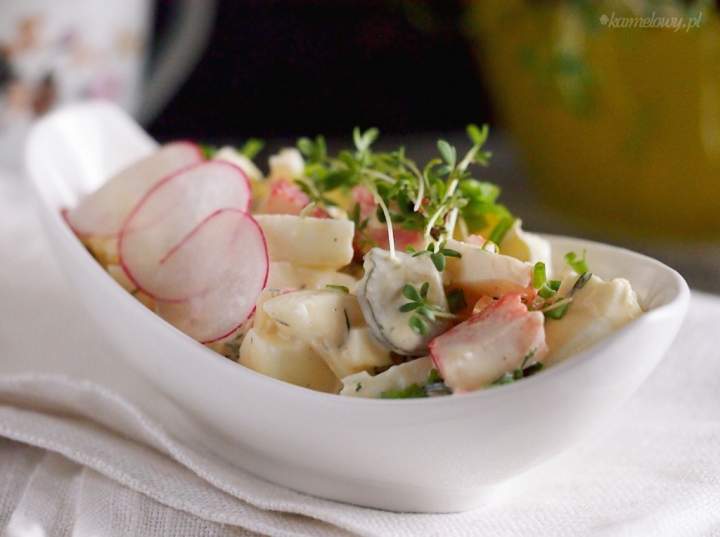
x=224, y=255
x=495, y=341
x=103, y=212
x=152, y=245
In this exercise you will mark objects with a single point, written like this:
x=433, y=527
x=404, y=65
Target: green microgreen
x=558, y=309
x=423, y=311
x=208, y=151
x=521, y=372
x=438, y=253
x=539, y=275
x=433, y=386
x=252, y=147
x=249, y=149
x=578, y=264
x=413, y=391
x=429, y=198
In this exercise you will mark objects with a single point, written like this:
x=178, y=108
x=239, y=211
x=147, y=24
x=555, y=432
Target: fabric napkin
x=102, y=464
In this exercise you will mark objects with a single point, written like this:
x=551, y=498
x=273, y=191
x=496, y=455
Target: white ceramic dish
x=440, y=454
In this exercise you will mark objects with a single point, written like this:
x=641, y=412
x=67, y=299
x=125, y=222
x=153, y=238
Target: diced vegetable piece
x=398, y=377
x=233, y=156
x=597, y=309
x=103, y=212
x=526, y=246
x=288, y=360
x=380, y=295
x=286, y=275
x=308, y=241
x=150, y=243
x=288, y=163
x=283, y=197
x=481, y=272
x=498, y=340
x=224, y=261
x=359, y=352
x=325, y=315
x=330, y=322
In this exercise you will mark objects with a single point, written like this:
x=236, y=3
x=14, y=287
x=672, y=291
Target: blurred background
x=605, y=114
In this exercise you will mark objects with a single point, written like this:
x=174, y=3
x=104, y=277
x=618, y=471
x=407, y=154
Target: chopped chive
x=578, y=264
x=539, y=277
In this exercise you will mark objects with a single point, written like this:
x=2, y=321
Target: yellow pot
x=619, y=123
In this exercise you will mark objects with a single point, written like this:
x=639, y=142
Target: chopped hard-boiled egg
x=332, y=324
x=285, y=275
x=481, y=272
x=398, y=377
x=287, y=164
x=287, y=359
x=304, y=240
x=598, y=309
x=231, y=155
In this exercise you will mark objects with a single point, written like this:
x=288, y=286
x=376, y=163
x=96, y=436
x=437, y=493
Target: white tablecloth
x=80, y=457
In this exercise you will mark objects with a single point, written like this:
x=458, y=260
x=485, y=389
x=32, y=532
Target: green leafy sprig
x=424, y=312
x=438, y=257
x=431, y=198
x=553, y=307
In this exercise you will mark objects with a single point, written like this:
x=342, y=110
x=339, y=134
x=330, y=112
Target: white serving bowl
x=429, y=455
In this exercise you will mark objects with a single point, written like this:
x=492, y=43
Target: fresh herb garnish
x=433, y=386
x=434, y=376
x=252, y=147
x=430, y=198
x=424, y=311
x=249, y=149
x=539, y=276
x=208, y=151
x=557, y=310
x=437, y=256
x=521, y=372
x=546, y=288
x=410, y=392
x=578, y=264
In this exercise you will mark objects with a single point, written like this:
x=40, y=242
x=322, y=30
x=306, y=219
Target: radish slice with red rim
x=152, y=244
x=102, y=213
x=225, y=256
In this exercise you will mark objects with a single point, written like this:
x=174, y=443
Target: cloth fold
x=102, y=463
